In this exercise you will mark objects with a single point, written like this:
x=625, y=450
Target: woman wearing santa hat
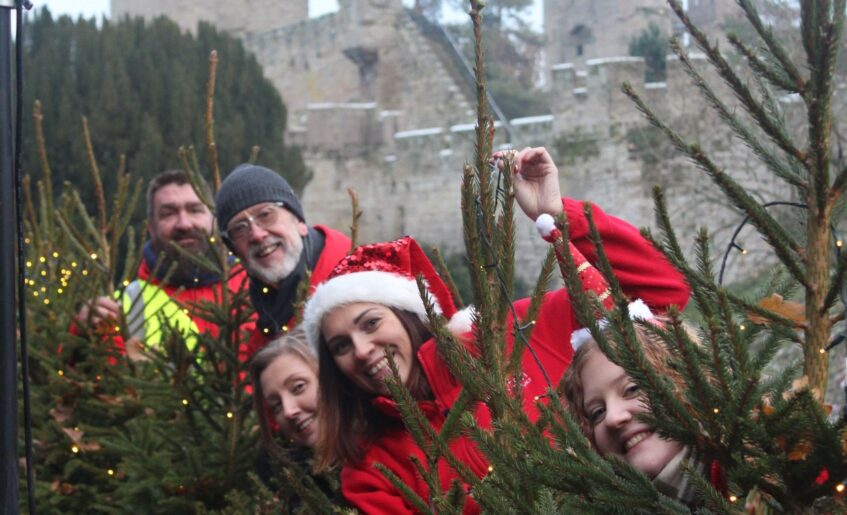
x=371, y=306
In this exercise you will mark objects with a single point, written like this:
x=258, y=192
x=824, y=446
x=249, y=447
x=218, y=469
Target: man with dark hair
x=262, y=222
x=170, y=282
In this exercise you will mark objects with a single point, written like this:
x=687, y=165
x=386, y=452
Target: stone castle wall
x=235, y=17
x=376, y=108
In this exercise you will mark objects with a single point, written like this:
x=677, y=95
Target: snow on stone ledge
x=544, y=118
x=431, y=131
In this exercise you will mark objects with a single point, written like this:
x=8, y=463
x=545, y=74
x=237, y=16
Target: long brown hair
x=347, y=420
x=655, y=351
x=294, y=344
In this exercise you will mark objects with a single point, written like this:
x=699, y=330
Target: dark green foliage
x=142, y=87
x=652, y=45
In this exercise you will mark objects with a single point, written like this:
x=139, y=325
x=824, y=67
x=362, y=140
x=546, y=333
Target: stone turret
x=578, y=30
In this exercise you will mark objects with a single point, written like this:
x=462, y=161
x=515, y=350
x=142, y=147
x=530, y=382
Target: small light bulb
x=265, y=289
x=55, y=254
x=110, y=472
x=839, y=487
x=839, y=243
x=716, y=410
x=229, y=414
x=212, y=240
x=74, y=449
x=822, y=351
x=93, y=255
x=185, y=402
x=73, y=264
x=46, y=301
x=742, y=327
x=265, y=330
x=126, y=283
x=61, y=372
x=491, y=468
x=29, y=264
x=42, y=259
x=732, y=498
x=285, y=328
x=743, y=252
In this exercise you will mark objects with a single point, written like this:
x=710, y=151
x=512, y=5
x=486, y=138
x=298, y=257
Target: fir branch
x=738, y=345
x=818, y=100
x=47, y=173
x=837, y=188
x=357, y=214
x=777, y=51
x=409, y=494
x=784, y=246
x=420, y=429
x=95, y=178
x=776, y=76
x=774, y=130
x=836, y=283
x=211, y=146
x=444, y=273
x=523, y=330
x=745, y=133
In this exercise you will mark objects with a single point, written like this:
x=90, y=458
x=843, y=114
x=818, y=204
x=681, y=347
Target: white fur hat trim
x=638, y=310
x=385, y=288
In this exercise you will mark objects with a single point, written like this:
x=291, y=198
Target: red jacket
x=643, y=273
x=336, y=246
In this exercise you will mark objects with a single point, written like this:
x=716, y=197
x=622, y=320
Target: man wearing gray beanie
x=262, y=222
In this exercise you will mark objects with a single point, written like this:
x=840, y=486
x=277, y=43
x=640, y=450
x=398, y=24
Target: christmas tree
x=172, y=431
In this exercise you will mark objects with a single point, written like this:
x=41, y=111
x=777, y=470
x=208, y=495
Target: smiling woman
x=606, y=403
x=371, y=308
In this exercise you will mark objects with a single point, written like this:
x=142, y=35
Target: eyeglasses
x=266, y=217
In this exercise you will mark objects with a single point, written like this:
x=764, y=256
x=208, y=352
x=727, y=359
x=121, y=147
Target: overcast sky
x=90, y=8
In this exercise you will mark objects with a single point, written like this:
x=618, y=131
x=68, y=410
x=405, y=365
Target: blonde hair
x=292, y=343
x=656, y=352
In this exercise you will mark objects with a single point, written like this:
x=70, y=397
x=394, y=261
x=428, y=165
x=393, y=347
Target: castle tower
x=235, y=16
x=578, y=30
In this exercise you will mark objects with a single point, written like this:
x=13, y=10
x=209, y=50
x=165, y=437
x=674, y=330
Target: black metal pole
x=8, y=311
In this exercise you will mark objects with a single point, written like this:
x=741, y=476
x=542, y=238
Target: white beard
x=276, y=272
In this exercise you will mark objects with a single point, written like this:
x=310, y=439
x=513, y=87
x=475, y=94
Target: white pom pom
x=461, y=321
x=638, y=310
x=579, y=338
x=545, y=224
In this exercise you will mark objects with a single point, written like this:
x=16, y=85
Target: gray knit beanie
x=249, y=185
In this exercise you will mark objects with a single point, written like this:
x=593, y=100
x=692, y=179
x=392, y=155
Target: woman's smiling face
x=611, y=402
x=290, y=389
x=358, y=337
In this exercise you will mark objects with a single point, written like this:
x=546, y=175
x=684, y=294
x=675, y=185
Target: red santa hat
x=384, y=273
x=591, y=278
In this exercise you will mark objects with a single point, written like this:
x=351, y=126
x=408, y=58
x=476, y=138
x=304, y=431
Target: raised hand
x=536, y=180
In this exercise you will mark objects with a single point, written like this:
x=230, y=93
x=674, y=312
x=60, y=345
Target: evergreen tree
x=652, y=45
x=137, y=82
x=763, y=436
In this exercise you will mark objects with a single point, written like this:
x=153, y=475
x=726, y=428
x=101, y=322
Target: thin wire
x=732, y=245
x=19, y=115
